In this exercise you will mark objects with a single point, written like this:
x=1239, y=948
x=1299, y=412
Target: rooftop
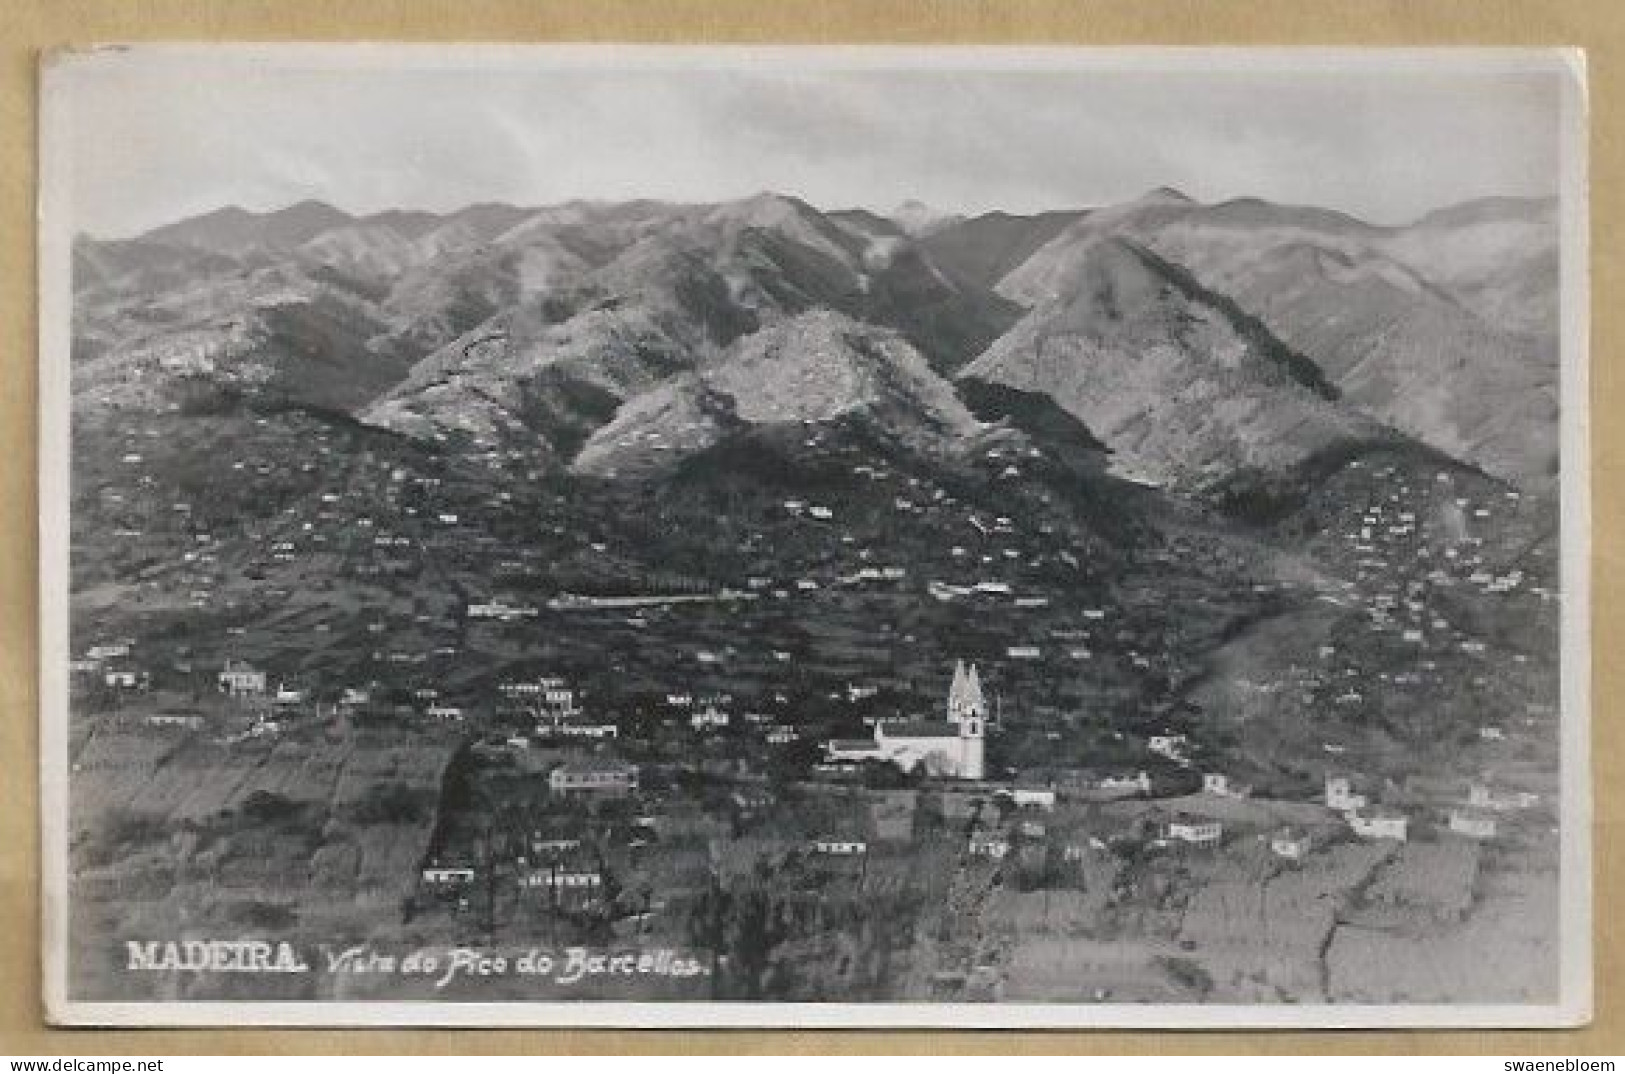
x=596, y=764
x=921, y=729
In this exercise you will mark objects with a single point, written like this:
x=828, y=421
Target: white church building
x=951, y=748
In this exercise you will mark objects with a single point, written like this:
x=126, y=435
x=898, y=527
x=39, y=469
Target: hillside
x=234, y=231
x=1184, y=389
x=1498, y=255
x=806, y=370
x=1442, y=329
x=982, y=250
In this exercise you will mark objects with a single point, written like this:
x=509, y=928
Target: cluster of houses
x=952, y=749
x=561, y=864
x=1412, y=544
x=1474, y=818
x=985, y=562
x=548, y=706
x=1388, y=530
x=571, y=867
x=1362, y=816
x=112, y=665
x=553, y=709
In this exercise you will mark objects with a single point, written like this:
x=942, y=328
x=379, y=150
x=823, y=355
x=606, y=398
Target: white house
x=190, y=721
x=751, y=801
x=1290, y=844
x=1139, y=783
x=1483, y=796
x=558, y=696
x=238, y=679
x=1033, y=798
x=550, y=692
x=709, y=717
x=1379, y=825
x=581, y=730
x=577, y=880
x=448, y=875
x=1218, y=784
x=1194, y=831
x=1340, y=795
x=988, y=847
x=1169, y=746
x=594, y=776
x=1472, y=824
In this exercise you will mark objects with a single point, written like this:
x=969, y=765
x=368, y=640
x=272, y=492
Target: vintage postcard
x=803, y=537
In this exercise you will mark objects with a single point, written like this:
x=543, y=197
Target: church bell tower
x=967, y=709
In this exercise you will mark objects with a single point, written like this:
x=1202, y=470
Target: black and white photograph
x=810, y=536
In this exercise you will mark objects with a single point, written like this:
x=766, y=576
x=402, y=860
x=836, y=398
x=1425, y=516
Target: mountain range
x=1195, y=344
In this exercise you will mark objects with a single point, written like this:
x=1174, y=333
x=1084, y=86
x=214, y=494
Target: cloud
x=158, y=134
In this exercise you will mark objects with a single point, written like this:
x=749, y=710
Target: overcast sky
x=155, y=135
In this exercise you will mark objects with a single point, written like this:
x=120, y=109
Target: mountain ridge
x=1441, y=330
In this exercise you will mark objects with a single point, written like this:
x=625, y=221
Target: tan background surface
x=26, y=26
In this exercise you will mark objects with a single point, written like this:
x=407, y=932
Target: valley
x=510, y=577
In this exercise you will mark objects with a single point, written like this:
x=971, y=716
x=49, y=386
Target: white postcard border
x=55, y=215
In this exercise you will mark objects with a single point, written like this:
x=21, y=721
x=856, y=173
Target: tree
x=391, y=803
x=268, y=807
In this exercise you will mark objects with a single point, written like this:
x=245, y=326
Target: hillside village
x=986, y=709
x=590, y=809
